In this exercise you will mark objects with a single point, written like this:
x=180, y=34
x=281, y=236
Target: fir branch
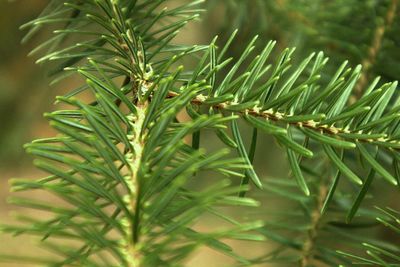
x=123, y=168
x=120, y=162
x=380, y=253
x=315, y=124
x=133, y=254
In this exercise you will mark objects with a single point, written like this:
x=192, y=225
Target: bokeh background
x=24, y=96
x=25, y=92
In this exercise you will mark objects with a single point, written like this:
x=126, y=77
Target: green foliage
x=125, y=174
x=381, y=254
x=359, y=31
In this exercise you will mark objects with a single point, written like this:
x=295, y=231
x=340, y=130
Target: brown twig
x=374, y=49
x=316, y=216
x=282, y=118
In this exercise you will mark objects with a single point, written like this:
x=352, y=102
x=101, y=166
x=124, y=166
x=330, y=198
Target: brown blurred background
x=24, y=96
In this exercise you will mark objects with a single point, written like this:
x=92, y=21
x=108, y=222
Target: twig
x=374, y=49
x=282, y=118
x=316, y=216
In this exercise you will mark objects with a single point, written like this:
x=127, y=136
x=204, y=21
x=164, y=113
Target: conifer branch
x=133, y=254
x=124, y=172
x=298, y=122
x=378, y=253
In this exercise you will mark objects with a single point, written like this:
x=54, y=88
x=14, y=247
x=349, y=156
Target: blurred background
x=24, y=96
x=364, y=32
